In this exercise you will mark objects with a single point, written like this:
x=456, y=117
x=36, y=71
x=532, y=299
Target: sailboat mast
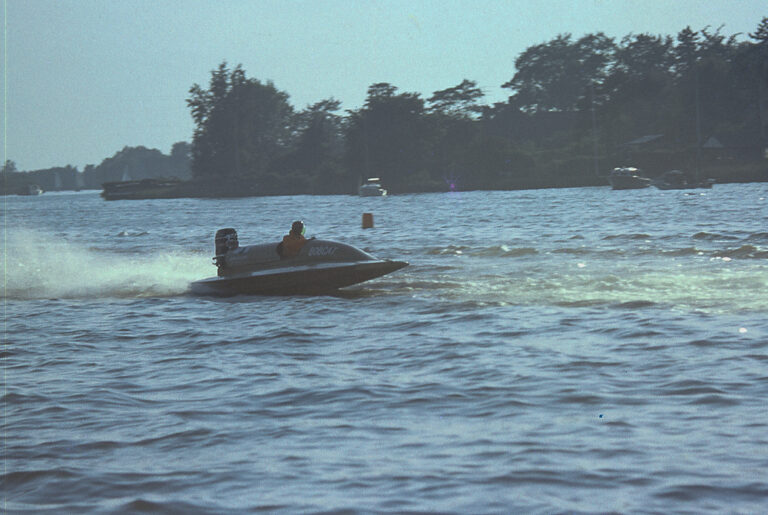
x=698, y=119
x=594, y=130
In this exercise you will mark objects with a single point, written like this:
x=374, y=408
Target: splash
x=41, y=266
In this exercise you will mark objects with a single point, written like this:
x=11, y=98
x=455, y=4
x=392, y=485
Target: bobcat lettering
x=322, y=251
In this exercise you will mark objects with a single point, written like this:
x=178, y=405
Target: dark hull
x=686, y=186
x=678, y=180
x=628, y=182
x=143, y=189
x=309, y=279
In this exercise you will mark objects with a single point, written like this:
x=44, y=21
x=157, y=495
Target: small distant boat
x=372, y=188
x=143, y=189
x=627, y=178
x=32, y=189
x=678, y=180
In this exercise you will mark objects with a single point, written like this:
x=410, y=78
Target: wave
x=620, y=288
x=504, y=251
x=131, y=234
x=634, y=236
x=710, y=236
x=758, y=237
x=688, y=493
x=685, y=251
x=42, y=266
x=450, y=249
x=578, y=251
x=743, y=252
x=492, y=251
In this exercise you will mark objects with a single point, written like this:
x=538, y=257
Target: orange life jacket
x=292, y=244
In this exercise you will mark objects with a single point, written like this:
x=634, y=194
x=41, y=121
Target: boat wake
x=42, y=266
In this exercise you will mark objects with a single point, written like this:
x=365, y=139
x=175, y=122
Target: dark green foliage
x=459, y=101
x=388, y=137
x=559, y=75
x=136, y=163
x=574, y=106
x=319, y=152
x=130, y=163
x=697, y=85
x=12, y=182
x=243, y=126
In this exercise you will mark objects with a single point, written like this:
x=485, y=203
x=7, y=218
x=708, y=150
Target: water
x=580, y=350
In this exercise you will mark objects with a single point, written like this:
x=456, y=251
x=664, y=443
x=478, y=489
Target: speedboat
x=627, y=178
x=372, y=188
x=321, y=266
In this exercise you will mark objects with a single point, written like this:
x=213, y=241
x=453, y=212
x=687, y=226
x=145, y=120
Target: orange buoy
x=367, y=220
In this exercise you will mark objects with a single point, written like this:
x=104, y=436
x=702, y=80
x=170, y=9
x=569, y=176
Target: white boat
x=372, y=188
x=627, y=178
x=32, y=189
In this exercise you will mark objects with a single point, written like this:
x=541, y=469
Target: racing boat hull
x=321, y=266
x=310, y=279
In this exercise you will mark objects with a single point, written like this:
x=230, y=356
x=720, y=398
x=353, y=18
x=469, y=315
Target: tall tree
x=386, y=138
x=320, y=147
x=758, y=63
x=559, y=75
x=243, y=126
x=640, y=81
x=454, y=133
x=9, y=167
x=460, y=100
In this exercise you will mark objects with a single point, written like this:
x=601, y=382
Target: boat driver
x=293, y=241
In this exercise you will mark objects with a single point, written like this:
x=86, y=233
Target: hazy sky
x=84, y=78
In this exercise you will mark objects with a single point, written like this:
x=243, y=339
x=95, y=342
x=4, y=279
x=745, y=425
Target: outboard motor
x=226, y=240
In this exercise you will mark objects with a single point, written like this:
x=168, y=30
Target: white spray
x=41, y=266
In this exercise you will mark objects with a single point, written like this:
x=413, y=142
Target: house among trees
x=745, y=147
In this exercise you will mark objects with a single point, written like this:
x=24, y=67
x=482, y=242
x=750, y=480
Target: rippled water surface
x=579, y=350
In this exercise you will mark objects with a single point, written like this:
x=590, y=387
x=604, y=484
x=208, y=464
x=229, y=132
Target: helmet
x=298, y=228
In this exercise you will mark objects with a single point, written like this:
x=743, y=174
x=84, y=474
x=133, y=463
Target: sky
x=81, y=79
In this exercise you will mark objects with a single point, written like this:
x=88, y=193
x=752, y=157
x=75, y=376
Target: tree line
x=128, y=164
x=577, y=107
x=574, y=110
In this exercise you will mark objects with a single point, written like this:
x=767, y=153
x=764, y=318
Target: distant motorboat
x=372, y=188
x=627, y=178
x=32, y=189
x=143, y=189
x=678, y=180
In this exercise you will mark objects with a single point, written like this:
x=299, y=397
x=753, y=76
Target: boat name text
x=322, y=251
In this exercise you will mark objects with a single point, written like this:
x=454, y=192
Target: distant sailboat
x=676, y=179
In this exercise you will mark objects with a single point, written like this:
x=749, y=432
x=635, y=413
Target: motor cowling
x=225, y=241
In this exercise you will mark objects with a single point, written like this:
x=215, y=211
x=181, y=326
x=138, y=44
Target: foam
x=37, y=265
